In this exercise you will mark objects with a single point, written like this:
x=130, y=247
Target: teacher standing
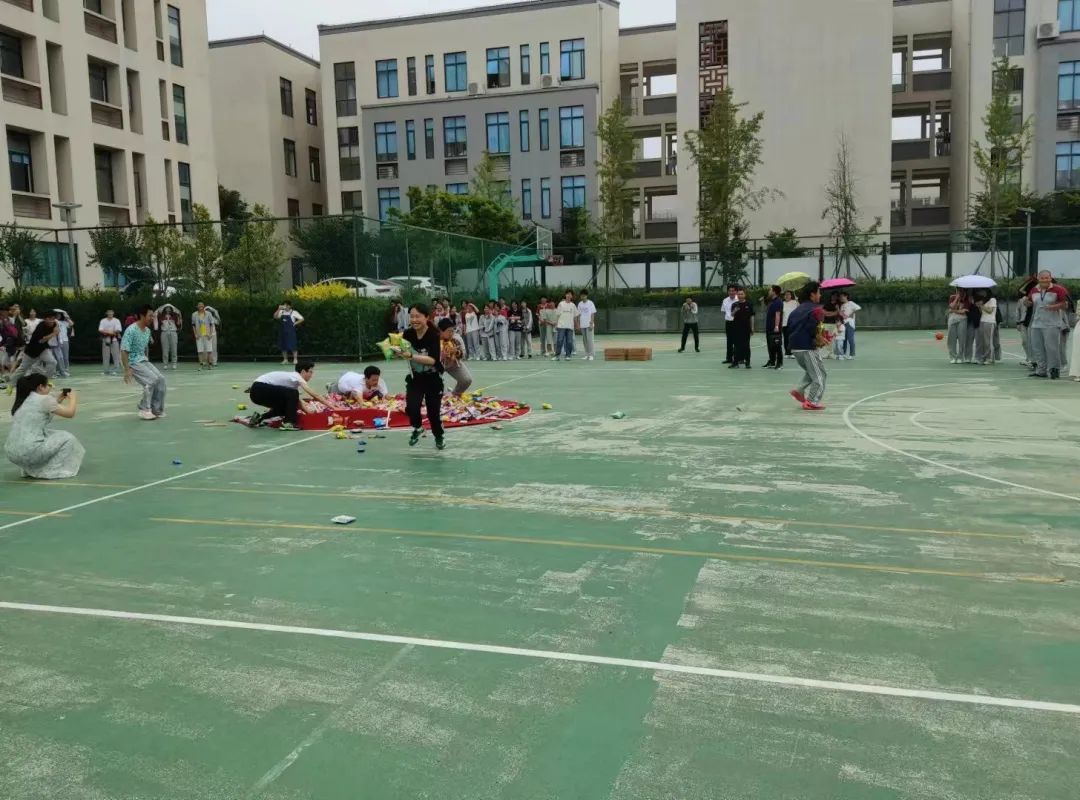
x=288, y=321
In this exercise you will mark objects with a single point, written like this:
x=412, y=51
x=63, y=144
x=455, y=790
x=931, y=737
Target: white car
x=425, y=285
x=365, y=287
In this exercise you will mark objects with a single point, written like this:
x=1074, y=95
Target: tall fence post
x=884, y=261
x=760, y=266
x=948, y=258
x=648, y=272
x=821, y=262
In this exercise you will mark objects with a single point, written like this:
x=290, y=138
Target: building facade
x=104, y=104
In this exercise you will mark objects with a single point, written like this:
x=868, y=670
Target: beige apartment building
x=104, y=104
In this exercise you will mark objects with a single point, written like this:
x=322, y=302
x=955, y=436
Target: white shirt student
x=587, y=321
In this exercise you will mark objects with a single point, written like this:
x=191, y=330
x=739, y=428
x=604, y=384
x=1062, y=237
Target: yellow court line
x=9, y=513
x=623, y=548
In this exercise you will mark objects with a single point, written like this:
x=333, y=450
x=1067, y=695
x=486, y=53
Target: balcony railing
x=33, y=206
x=106, y=114
x=651, y=168
x=650, y=106
x=926, y=216
x=22, y=92
x=911, y=150
x=661, y=228
x=898, y=217
x=99, y=26
x=569, y=159
x=935, y=81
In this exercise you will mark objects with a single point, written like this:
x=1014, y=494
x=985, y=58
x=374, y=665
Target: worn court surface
x=921, y=534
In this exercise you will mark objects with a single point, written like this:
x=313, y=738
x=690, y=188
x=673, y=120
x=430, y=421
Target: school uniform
x=170, y=340
x=502, y=338
x=472, y=335
x=984, y=342
x=452, y=355
x=110, y=330
x=515, y=335
x=1045, y=329
x=487, y=337
x=526, y=332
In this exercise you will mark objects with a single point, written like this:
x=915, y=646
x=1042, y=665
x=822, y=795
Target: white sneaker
x=147, y=415
x=555, y=359
x=283, y=361
x=162, y=415
x=592, y=358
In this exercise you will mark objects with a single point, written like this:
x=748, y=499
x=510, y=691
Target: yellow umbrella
x=793, y=280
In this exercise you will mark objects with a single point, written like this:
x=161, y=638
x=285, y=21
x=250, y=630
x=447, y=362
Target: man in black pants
x=279, y=392
x=742, y=328
x=690, y=324
x=729, y=320
x=774, y=329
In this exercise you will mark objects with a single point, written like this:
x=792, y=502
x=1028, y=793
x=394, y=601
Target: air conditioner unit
x=1049, y=30
x=475, y=89
x=548, y=81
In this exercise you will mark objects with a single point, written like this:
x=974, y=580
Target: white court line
x=170, y=479
x=932, y=462
x=1054, y=408
x=914, y=420
x=512, y=380
x=554, y=655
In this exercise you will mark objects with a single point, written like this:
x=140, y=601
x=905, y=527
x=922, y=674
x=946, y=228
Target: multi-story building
x=105, y=104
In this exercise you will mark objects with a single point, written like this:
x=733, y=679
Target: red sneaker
x=799, y=396
x=813, y=406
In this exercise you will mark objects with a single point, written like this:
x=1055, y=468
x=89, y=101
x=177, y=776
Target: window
x=179, y=97
x=11, y=60
x=457, y=188
x=523, y=130
x=183, y=173
x=1067, y=169
x=285, y=90
x=388, y=198
x=352, y=202
x=429, y=138
x=545, y=129
x=455, y=137
x=345, y=88
x=386, y=78
x=176, y=45
x=429, y=73
x=573, y=191
x=20, y=162
x=1009, y=27
x=293, y=206
x=571, y=127
x=545, y=198
x=526, y=71
x=386, y=141
x=290, y=157
x=99, y=82
x=103, y=172
x=1069, y=15
x=572, y=58
x=314, y=164
x=317, y=210
x=498, y=67
x=545, y=58
x=1014, y=84
x=92, y=5
x=457, y=73
x=526, y=198
x=410, y=75
x=498, y=132
x=349, y=153
x=311, y=104
x=410, y=140
x=1068, y=86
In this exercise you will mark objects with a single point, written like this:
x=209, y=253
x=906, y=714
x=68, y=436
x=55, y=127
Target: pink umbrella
x=837, y=283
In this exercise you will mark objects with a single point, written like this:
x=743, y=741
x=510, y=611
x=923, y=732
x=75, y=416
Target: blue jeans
x=564, y=342
x=849, y=340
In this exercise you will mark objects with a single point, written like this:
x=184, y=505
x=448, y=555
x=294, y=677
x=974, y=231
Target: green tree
x=485, y=184
x=255, y=262
x=118, y=251
x=842, y=212
x=201, y=256
x=233, y=211
x=466, y=215
x=20, y=255
x=572, y=240
x=783, y=244
x=327, y=245
x=613, y=171
x=727, y=153
x=162, y=250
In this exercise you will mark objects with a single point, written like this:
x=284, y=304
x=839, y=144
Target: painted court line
x=161, y=482
x=554, y=655
x=931, y=461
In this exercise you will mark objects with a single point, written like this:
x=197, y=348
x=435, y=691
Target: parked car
x=419, y=282
x=365, y=287
x=160, y=289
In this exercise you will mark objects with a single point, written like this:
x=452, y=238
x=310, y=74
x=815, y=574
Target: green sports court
x=717, y=596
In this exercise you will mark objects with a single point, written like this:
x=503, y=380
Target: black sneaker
x=732, y=365
x=726, y=361
x=1054, y=374
x=414, y=437
x=440, y=444
x=255, y=420
x=1035, y=375
x=770, y=365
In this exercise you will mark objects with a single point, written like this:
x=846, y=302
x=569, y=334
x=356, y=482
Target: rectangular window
x=429, y=74
x=103, y=173
x=285, y=90
x=386, y=141
x=386, y=78
x=523, y=130
x=290, y=157
x=1009, y=26
x=410, y=140
x=545, y=58
x=92, y=5
x=498, y=67
x=99, y=82
x=388, y=198
x=573, y=191
x=545, y=198
x=572, y=59
x=293, y=211
x=429, y=138
x=571, y=127
x=345, y=88
x=314, y=164
x=526, y=70
x=1067, y=169
x=457, y=188
x=349, y=153
x=1068, y=87
x=311, y=105
x=176, y=44
x=317, y=210
x=410, y=75
x=545, y=129
x=526, y=198
x=183, y=172
x=352, y=202
x=179, y=98
x=498, y=132
x=455, y=137
x=11, y=60
x=1069, y=15
x=456, y=71
x=20, y=162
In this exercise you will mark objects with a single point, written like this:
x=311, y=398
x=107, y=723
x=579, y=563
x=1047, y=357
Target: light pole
x=376, y=256
x=1027, y=244
x=67, y=214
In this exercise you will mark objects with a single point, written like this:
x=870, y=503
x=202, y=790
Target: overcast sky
x=294, y=21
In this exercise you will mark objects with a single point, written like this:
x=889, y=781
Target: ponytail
x=27, y=385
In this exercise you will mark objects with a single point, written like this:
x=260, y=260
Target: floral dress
x=42, y=453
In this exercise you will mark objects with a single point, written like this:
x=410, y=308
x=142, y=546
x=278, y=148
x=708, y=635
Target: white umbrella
x=974, y=282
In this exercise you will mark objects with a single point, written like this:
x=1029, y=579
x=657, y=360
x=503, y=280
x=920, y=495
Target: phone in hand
x=65, y=392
